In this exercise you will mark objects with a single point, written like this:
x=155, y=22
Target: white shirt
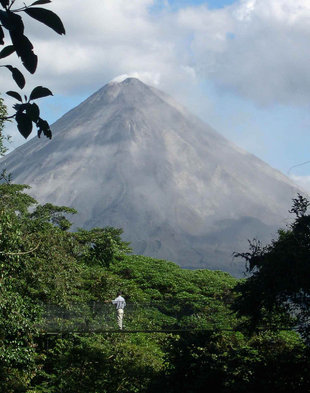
x=120, y=302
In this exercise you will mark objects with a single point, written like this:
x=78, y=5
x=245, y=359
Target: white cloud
x=302, y=181
x=258, y=49
x=146, y=77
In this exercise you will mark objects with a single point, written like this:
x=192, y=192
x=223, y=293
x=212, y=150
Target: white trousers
x=120, y=315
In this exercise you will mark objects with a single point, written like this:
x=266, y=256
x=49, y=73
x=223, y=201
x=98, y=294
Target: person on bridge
x=120, y=303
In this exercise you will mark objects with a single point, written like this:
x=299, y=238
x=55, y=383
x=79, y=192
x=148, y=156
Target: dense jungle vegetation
x=217, y=333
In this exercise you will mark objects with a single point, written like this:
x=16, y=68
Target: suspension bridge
x=101, y=317
x=158, y=317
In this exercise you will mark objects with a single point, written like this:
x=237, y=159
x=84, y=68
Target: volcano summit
x=131, y=157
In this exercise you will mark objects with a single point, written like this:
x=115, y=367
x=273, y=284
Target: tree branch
x=22, y=252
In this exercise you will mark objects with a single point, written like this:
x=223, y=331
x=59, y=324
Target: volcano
x=131, y=157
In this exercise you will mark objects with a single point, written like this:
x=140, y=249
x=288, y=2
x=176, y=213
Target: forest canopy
x=181, y=331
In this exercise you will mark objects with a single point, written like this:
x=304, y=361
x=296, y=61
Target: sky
x=242, y=66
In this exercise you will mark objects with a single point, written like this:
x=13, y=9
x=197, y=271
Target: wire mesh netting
x=98, y=317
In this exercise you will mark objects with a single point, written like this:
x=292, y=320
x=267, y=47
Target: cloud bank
x=258, y=49
x=303, y=182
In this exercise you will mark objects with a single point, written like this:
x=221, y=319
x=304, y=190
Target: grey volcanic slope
x=131, y=157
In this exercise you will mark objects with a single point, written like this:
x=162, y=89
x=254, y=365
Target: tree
x=278, y=290
x=44, y=269
x=56, y=215
x=27, y=112
x=36, y=264
x=230, y=362
x=101, y=245
x=3, y=115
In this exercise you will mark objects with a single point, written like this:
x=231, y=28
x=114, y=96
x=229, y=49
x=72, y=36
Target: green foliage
x=101, y=245
x=55, y=215
x=27, y=113
x=230, y=362
x=99, y=363
x=50, y=277
x=278, y=291
x=18, y=356
x=174, y=297
x=3, y=139
x=13, y=199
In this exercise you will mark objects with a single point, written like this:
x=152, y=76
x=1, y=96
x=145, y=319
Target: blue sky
x=242, y=66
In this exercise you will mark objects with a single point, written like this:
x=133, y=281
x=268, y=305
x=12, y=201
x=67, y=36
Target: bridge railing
x=99, y=317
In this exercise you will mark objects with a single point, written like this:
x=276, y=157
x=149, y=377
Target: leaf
x=39, y=92
x=24, y=124
x=4, y=3
x=12, y=21
x=7, y=51
x=33, y=112
x=24, y=50
x=40, y=2
x=14, y=94
x=44, y=127
x=4, y=19
x=47, y=17
x=17, y=76
x=17, y=107
x=1, y=36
